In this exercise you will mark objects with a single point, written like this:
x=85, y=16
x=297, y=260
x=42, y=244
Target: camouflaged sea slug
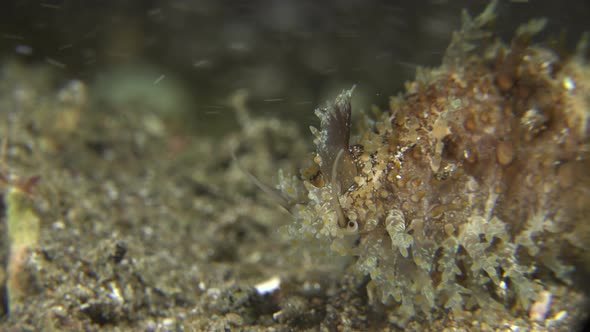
x=471, y=191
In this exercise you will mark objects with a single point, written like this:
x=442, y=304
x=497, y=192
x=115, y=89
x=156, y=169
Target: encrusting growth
x=471, y=191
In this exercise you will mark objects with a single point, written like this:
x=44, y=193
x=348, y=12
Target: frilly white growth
x=395, y=224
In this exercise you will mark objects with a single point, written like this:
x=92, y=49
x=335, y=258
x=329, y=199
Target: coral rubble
x=471, y=193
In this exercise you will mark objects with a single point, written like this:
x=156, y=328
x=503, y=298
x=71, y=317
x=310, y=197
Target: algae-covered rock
x=463, y=201
x=23, y=227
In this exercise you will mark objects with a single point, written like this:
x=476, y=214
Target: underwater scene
x=202, y=165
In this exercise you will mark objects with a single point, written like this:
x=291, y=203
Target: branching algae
x=472, y=190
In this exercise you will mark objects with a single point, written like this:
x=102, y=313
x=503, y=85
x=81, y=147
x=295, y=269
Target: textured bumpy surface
x=471, y=191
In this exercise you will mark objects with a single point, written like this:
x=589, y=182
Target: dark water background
x=290, y=55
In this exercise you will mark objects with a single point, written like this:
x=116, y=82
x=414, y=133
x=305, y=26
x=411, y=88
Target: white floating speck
x=55, y=63
x=159, y=79
x=23, y=49
x=268, y=286
x=568, y=83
